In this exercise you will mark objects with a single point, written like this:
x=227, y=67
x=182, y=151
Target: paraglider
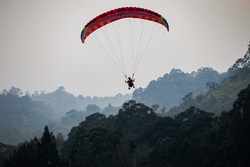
x=115, y=49
x=130, y=82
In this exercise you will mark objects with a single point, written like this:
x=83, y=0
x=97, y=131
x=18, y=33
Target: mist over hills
x=23, y=116
x=137, y=136
x=169, y=90
x=61, y=101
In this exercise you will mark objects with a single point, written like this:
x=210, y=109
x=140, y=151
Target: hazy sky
x=40, y=47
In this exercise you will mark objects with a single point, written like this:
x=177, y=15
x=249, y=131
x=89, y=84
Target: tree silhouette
x=39, y=153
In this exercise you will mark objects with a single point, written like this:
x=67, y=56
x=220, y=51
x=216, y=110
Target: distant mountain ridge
x=222, y=96
x=218, y=99
x=169, y=90
x=62, y=101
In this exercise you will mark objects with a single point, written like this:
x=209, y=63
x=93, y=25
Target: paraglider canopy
x=120, y=13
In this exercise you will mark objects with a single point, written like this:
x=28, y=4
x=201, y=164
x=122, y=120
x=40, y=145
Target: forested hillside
x=74, y=117
x=139, y=137
x=220, y=96
x=21, y=118
x=178, y=87
x=169, y=90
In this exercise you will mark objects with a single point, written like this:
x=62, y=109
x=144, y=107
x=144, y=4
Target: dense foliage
x=5, y=151
x=192, y=138
x=39, y=153
x=199, y=138
x=139, y=137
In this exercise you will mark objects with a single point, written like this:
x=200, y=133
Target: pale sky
x=40, y=47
